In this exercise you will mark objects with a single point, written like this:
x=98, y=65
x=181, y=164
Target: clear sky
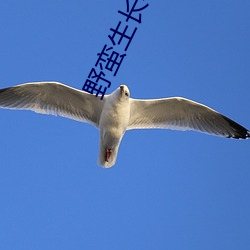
x=168, y=189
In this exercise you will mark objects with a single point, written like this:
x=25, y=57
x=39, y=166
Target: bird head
x=124, y=91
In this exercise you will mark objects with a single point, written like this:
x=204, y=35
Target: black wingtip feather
x=239, y=131
x=3, y=90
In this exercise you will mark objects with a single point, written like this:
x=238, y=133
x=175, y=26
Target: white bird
x=117, y=113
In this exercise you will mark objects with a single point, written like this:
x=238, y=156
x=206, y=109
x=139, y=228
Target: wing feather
x=182, y=114
x=53, y=98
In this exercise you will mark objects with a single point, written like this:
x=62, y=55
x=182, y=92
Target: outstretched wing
x=182, y=114
x=53, y=98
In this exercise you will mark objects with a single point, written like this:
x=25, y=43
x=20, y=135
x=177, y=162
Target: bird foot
x=108, y=154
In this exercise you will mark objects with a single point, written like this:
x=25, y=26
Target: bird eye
x=126, y=93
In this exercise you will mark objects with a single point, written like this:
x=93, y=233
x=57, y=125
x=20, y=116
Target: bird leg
x=108, y=154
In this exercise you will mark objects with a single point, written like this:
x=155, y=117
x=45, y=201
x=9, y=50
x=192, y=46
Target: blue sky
x=169, y=189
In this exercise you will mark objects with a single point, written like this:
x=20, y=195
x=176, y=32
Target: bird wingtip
x=239, y=131
x=2, y=90
x=248, y=134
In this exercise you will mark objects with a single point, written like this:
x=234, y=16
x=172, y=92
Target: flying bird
x=117, y=113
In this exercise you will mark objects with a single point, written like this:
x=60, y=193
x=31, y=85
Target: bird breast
x=114, y=119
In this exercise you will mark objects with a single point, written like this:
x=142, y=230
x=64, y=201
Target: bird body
x=117, y=113
x=113, y=124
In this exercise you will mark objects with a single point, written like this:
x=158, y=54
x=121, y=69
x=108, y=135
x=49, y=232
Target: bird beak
x=122, y=88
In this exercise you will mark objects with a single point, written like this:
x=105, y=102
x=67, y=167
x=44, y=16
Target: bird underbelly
x=112, y=137
x=112, y=129
x=109, y=144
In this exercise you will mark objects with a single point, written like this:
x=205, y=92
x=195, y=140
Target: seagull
x=117, y=113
